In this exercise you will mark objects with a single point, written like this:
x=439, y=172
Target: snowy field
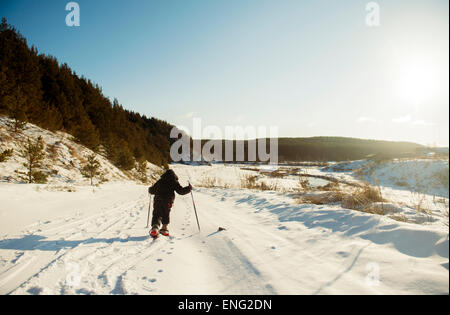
x=94, y=241
x=280, y=237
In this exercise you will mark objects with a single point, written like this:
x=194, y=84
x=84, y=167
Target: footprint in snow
x=35, y=290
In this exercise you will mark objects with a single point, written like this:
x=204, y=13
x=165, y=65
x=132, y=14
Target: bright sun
x=417, y=81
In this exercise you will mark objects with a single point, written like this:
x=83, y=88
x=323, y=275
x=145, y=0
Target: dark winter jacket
x=164, y=189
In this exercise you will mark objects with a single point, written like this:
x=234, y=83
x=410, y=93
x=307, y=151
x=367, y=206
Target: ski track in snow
x=269, y=247
x=99, y=254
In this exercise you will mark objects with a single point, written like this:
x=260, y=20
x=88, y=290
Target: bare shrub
x=274, y=174
x=322, y=198
x=331, y=186
x=362, y=197
x=372, y=194
x=419, y=203
x=304, y=183
x=399, y=217
x=442, y=177
x=266, y=186
x=374, y=209
x=248, y=181
x=207, y=182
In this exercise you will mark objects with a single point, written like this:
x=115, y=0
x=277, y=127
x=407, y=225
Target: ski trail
x=109, y=251
x=253, y=262
x=69, y=243
x=205, y=264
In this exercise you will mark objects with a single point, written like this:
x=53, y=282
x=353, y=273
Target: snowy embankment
x=427, y=176
x=63, y=162
x=417, y=189
x=414, y=191
x=271, y=245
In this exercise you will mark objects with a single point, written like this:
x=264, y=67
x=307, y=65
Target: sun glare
x=417, y=81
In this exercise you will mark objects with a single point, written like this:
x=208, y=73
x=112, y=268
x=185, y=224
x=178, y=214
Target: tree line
x=326, y=149
x=36, y=88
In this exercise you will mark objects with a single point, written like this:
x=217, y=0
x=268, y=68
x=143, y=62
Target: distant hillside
x=335, y=149
x=35, y=88
x=341, y=149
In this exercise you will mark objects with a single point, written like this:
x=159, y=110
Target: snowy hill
x=64, y=157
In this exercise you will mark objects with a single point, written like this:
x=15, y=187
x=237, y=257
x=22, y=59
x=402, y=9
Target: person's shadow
x=38, y=242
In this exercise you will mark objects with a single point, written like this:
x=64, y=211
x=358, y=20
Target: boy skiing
x=164, y=191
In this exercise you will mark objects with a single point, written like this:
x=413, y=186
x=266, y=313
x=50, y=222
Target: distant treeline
x=342, y=149
x=332, y=149
x=35, y=88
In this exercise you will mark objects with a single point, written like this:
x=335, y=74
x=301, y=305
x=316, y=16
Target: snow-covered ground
x=66, y=237
x=427, y=176
x=413, y=190
x=95, y=242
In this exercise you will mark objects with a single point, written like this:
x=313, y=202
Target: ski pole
x=195, y=209
x=149, y=208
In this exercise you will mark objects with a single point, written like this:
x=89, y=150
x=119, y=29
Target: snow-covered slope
x=64, y=158
x=429, y=176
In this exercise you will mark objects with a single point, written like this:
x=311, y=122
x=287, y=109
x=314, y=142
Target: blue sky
x=312, y=68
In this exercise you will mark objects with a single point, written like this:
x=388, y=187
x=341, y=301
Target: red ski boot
x=164, y=232
x=154, y=233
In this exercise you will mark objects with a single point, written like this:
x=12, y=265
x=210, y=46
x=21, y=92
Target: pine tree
x=141, y=168
x=4, y=88
x=6, y=154
x=3, y=25
x=91, y=169
x=125, y=159
x=87, y=134
x=16, y=103
x=34, y=154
